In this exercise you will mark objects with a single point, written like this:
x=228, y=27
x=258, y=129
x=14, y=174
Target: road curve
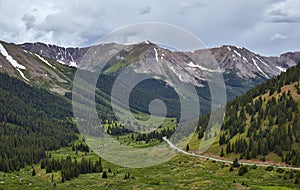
x=224, y=161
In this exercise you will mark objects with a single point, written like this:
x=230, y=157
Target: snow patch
x=228, y=48
x=191, y=64
x=61, y=62
x=237, y=53
x=245, y=59
x=156, y=55
x=262, y=61
x=44, y=60
x=22, y=74
x=73, y=64
x=179, y=75
x=10, y=59
x=147, y=42
x=281, y=69
x=259, y=69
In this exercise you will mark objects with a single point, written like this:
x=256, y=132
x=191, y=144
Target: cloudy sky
x=268, y=27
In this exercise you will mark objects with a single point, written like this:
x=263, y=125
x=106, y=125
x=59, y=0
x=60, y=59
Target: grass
x=181, y=172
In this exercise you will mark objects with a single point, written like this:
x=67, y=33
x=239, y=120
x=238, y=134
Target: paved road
x=221, y=160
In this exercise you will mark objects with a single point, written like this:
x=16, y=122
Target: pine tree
x=222, y=152
x=104, y=175
x=33, y=172
x=236, y=163
x=187, y=147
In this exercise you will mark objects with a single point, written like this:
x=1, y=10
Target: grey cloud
x=145, y=10
x=29, y=21
x=284, y=12
x=285, y=19
x=76, y=23
x=279, y=16
x=188, y=5
x=278, y=12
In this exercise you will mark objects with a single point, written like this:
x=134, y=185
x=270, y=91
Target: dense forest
x=70, y=168
x=269, y=116
x=32, y=121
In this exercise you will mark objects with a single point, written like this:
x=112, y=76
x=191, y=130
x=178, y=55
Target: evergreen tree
x=33, y=172
x=187, y=148
x=104, y=175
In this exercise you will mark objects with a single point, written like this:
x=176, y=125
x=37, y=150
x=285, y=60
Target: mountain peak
x=231, y=59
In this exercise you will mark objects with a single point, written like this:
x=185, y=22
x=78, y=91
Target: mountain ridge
x=241, y=68
x=248, y=64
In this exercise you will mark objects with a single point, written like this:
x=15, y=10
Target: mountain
x=241, y=68
x=47, y=66
x=35, y=69
x=230, y=58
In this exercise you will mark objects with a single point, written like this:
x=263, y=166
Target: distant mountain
x=53, y=67
x=244, y=62
x=240, y=61
x=241, y=68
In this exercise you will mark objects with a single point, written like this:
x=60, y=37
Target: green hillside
x=264, y=122
x=32, y=121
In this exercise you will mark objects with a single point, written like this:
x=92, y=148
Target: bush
x=280, y=170
x=269, y=168
x=236, y=163
x=243, y=170
x=254, y=167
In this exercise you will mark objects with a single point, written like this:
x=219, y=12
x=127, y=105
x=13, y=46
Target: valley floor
x=181, y=172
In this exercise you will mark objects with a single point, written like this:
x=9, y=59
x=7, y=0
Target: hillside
x=35, y=69
x=264, y=122
x=33, y=121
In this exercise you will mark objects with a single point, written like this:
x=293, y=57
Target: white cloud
x=278, y=36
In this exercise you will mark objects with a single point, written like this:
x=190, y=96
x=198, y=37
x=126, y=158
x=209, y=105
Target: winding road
x=225, y=161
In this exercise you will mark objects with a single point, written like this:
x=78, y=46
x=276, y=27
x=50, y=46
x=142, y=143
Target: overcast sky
x=268, y=27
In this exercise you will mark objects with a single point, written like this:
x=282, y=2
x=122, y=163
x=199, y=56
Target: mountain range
x=53, y=67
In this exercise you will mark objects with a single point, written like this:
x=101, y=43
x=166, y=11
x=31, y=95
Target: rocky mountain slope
x=46, y=66
x=246, y=63
x=241, y=68
x=35, y=69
